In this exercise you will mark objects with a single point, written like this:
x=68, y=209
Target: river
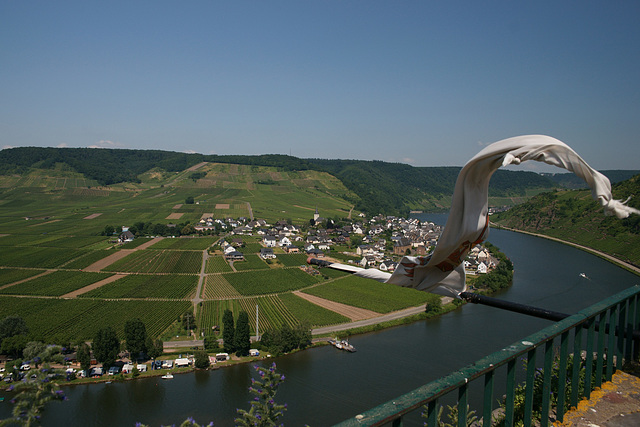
x=324, y=386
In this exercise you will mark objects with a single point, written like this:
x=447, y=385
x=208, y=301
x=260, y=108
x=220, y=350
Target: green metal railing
x=606, y=330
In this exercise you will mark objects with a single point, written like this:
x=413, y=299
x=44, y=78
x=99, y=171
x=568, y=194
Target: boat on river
x=167, y=376
x=342, y=345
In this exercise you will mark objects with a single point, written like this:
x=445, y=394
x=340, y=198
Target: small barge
x=342, y=345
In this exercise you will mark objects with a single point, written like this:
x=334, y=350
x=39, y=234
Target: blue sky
x=426, y=83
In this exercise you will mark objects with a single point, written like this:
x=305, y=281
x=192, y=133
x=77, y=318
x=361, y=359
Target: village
x=379, y=242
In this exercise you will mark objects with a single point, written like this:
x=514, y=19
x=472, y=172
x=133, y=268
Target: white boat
x=583, y=275
x=167, y=376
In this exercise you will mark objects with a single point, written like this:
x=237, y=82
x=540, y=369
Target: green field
x=147, y=286
x=159, y=261
x=269, y=281
x=217, y=264
x=251, y=262
x=55, y=284
x=64, y=320
x=10, y=275
x=371, y=295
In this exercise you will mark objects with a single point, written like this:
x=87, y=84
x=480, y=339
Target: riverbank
x=627, y=266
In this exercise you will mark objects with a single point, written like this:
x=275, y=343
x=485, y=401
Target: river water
x=324, y=386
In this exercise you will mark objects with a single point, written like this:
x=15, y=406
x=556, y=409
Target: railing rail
x=605, y=330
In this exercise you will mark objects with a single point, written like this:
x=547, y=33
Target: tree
x=33, y=349
x=83, y=355
x=201, y=359
x=106, y=346
x=228, y=331
x=154, y=348
x=189, y=200
x=13, y=346
x=11, y=326
x=242, y=338
x=135, y=335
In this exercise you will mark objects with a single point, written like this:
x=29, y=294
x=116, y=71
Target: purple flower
x=282, y=378
x=257, y=399
x=258, y=416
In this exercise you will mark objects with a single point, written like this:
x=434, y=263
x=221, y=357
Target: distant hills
x=574, y=216
x=374, y=186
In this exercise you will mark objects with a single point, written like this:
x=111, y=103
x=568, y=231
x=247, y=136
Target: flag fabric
x=442, y=271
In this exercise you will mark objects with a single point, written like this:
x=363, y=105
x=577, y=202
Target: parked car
x=113, y=370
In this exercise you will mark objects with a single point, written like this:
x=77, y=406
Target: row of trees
x=236, y=338
x=106, y=345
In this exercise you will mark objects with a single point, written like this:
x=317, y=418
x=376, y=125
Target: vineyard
x=55, y=284
x=159, y=261
x=9, y=275
x=36, y=257
x=269, y=281
x=371, y=295
x=310, y=313
x=186, y=243
x=87, y=259
x=251, y=262
x=147, y=286
x=273, y=313
x=292, y=260
x=217, y=264
x=61, y=320
x=217, y=287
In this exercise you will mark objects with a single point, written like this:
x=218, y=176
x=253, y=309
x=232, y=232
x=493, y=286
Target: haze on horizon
x=423, y=83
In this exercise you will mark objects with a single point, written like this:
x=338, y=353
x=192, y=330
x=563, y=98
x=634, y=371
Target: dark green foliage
x=500, y=278
x=13, y=346
x=107, y=166
x=242, y=337
x=197, y=175
x=572, y=181
x=201, y=359
x=189, y=200
x=154, y=348
x=286, y=338
x=228, y=331
x=106, y=346
x=135, y=334
x=83, y=355
x=12, y=325
x=211, y=343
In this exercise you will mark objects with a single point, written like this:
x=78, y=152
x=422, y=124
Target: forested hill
x=397, y=186
x=574, y=182
x=390, y=188
x=574, y=216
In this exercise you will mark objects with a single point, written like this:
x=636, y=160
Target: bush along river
x=324, y=386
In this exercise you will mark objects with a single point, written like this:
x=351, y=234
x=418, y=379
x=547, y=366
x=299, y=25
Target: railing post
x=577, y=361
x=602, y=318
x=487, y=410
x=622, y=321
x=510, y=396
x=463, y=402
x=588, y=367
x=611, y=347
x=546, y=384
x=432, y=413
x=562, y=375
x=531, y=376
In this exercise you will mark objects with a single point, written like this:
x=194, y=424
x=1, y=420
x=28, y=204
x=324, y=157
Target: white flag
x=442, y=271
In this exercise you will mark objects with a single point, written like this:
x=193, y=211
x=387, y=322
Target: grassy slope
x=574, y=216
x=62, y=208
